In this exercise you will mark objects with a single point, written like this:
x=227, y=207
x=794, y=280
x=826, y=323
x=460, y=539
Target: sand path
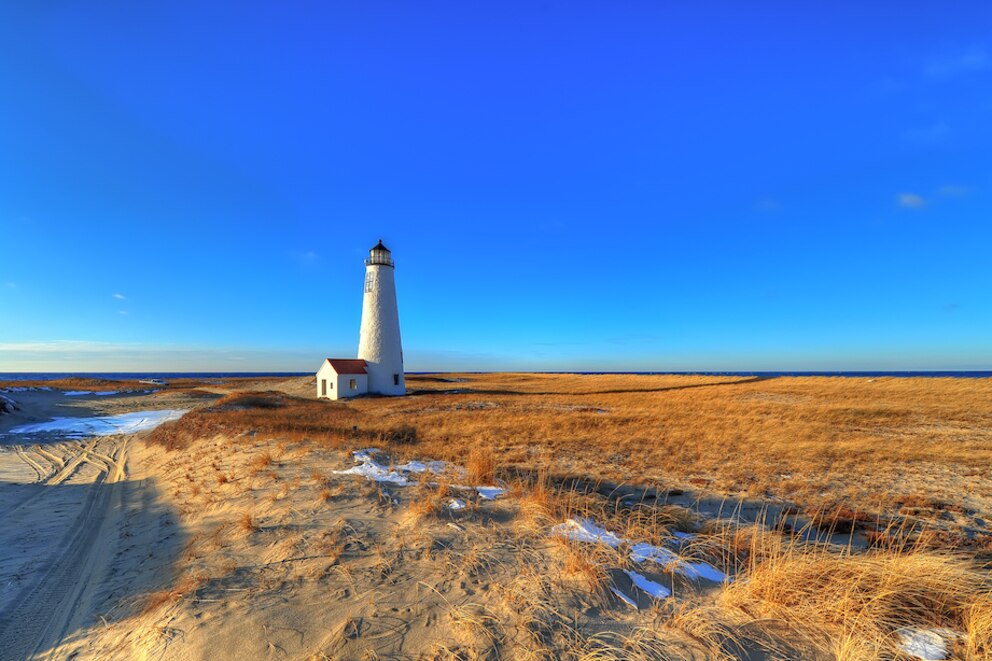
x=61, y=533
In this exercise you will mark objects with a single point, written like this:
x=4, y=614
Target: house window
x=352, y=384
x=332, y=385
x=323, y=387
x=396, y=379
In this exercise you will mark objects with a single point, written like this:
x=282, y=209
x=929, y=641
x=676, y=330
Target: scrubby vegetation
x=852, y=516
x=852, y=453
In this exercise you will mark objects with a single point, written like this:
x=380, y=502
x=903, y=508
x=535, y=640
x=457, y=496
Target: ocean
x=47, y=376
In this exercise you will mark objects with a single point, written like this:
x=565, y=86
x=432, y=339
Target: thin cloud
x=124, y=312
x=95, y=356
x=970, y=61
x=119, y=297
x=63, y=345
x=953, y=190
x=10, y=285
x=911, y=200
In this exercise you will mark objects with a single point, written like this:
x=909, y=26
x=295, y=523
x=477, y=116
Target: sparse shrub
x=187, y=586
x=402, y=435
x=251, y=400
x=586, y=562
x=481, y=465
x=247, y=523
x=429, y=500
x=261, y=462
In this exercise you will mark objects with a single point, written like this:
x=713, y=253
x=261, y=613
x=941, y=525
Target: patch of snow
x=76, y=393
x=368, y=454
x=108, y=392
x=644, y=552
x=683, y=536
x=456, y=504
x=927, y=644
x=584, y=530
x=490, y=493
x=377, y=473
x=371, y=469
x=656, y=590
x=624, y=598
x=702, y=570
x=436, y=467
x=109, y=425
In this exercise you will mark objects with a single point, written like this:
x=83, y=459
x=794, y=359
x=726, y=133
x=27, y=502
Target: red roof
x=347, y=365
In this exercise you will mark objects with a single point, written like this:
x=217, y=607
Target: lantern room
x=379, y=254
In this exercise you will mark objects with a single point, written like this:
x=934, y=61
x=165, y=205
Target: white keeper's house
x=379, y=367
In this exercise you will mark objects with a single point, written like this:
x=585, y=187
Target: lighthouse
x=379, y=340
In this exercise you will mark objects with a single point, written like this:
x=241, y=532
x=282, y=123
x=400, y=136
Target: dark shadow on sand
x=69, y=552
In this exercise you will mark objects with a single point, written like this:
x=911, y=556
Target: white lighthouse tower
x=379, y=341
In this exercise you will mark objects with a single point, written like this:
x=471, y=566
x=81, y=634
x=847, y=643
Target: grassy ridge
x=903, y=459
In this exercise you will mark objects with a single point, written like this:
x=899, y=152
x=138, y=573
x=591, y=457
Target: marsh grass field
x=646, y=517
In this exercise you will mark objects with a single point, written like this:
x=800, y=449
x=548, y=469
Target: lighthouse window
x=368, y=281
x=396, y=379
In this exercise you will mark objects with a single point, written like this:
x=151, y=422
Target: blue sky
x=565, y=185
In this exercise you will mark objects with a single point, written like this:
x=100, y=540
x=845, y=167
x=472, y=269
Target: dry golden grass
x=247, y=523
x=851, y=605
x=848, y=450
x=81, y=383
x=262, y=413
x=429, y=500
x=481, y=466
x=875, y=459
x=864, y=445
x=185, y=587
x=978, y=628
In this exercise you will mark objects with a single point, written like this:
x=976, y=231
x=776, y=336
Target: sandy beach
x=216, y=537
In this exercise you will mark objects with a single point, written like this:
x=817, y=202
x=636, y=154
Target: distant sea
x=46, y=376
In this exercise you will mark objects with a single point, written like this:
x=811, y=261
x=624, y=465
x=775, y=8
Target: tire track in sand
x=54, y=458
x=46, y=478
x=35, y=466
x=72, y=464
x=46, y=611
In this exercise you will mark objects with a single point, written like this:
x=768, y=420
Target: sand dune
x=242, y=543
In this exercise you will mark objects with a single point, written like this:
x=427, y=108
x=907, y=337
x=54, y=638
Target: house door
x=323, y=387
